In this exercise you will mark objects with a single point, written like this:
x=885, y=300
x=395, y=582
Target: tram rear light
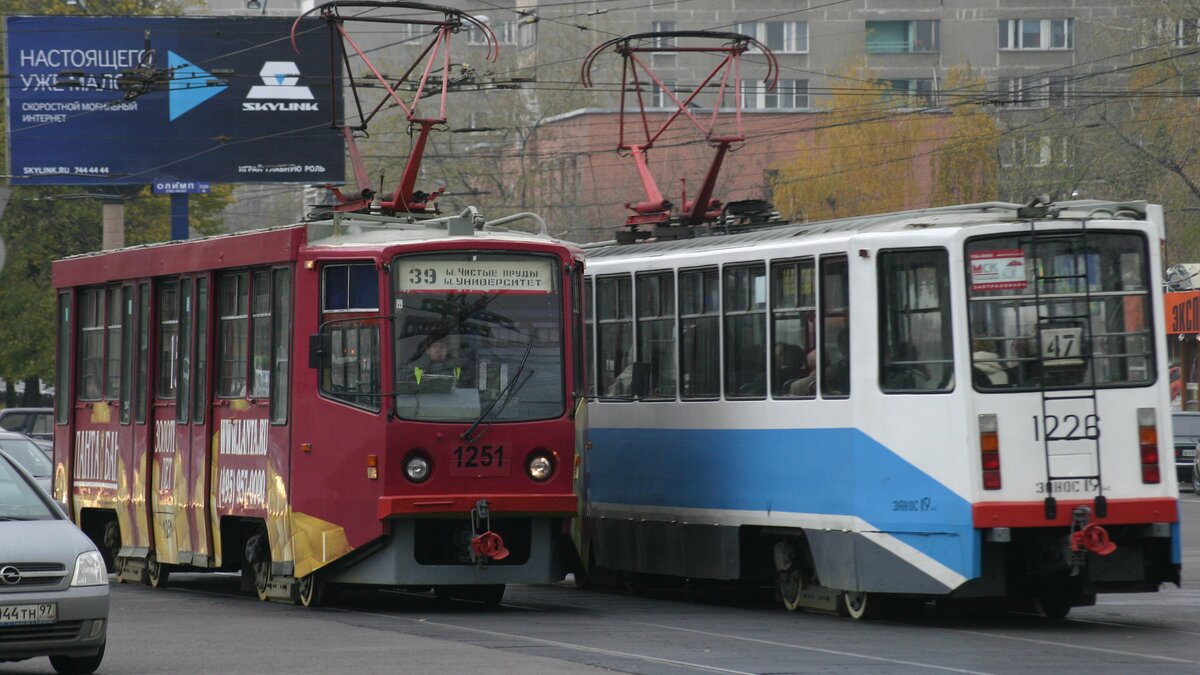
x=1148, y=445
x=373, y=467
x=989, y=452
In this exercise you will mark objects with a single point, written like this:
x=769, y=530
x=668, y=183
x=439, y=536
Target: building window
x=663, y=60
x=659, y=98
x=1041, y=34
x=507, y=33
x=787, y=95
x=1178, y=33
x=1036, y=151
x=903, y=37
x=1035, y=92
x=781, y=37
x=912, y=92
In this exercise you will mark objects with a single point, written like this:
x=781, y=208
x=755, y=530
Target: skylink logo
x=280, y=90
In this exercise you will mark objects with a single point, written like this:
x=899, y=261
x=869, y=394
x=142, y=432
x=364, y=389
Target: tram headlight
x=416, y=467
x=540, y=465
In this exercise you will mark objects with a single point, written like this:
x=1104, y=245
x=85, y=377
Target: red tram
x=266, y=402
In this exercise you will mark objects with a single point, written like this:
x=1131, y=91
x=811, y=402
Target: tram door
x=249, y=446
x=169, y=496
x=191, y=413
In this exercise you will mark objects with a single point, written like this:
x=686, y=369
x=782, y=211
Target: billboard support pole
x=179, y=217
x=113, y=218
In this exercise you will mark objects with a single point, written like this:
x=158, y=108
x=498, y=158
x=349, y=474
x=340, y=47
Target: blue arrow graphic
x=189, y=85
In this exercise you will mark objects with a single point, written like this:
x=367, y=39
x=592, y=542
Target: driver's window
x=350, y=333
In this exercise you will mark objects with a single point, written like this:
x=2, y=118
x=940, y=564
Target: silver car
x=53, y=584
x=30, y=455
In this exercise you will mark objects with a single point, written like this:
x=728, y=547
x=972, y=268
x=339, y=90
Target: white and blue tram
x=966, y=403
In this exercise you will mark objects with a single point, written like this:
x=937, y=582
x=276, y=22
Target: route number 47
x=1060, y=346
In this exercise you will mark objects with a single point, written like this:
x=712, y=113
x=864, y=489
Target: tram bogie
x=964, y=404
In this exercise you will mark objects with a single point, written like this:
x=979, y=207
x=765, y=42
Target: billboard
x=223, y=100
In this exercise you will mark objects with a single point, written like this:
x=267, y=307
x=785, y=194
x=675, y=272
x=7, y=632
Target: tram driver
x=437, y=367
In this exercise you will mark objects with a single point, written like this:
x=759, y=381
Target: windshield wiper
x=505, y=394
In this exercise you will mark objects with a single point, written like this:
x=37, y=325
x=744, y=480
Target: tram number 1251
x=473, y=456
x=1066, y=428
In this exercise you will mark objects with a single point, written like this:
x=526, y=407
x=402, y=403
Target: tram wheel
x=308, y=591
x=262, y=578
x=860, y=605
x=790, y=585
x=156, y=573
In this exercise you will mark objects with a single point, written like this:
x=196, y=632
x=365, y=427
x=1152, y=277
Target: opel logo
x=10, y=575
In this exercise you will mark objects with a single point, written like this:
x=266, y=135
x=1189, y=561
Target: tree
x=967, y=165
x=863, y=156
x=1158, y=124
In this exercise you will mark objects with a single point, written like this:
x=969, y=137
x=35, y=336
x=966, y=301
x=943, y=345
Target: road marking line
x=833, y=652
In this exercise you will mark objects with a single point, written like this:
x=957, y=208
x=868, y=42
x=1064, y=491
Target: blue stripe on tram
x=840, y=472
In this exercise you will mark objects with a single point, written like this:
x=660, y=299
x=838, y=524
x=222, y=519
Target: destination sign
x=476, y=276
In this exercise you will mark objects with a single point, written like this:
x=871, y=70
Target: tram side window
x=168, y=338
x=91, y=345
x=699, y=333
x=589, y=322
x=353, y=368
x=351, y=288
x=916, y=353
x=656, y=331
x=234, y=313
x=62, y=376
x=835, y=327
x=200, y=378
x=112, y=347
x=260, y=334
x=793, y=329
x=746, y=331
x=614, y=340
x=142, y=388
x=281, y=315
x=184, y=362
x=126, y=353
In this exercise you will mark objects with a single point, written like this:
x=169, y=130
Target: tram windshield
x=478, y=332
x=1059, y=310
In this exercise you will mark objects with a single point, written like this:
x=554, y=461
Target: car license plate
x=1188, y=453
x=15, y=615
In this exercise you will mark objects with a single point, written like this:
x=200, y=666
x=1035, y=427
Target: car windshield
x=19, y=499
x=28, y=455
x=476, y=328
x=1186, y=426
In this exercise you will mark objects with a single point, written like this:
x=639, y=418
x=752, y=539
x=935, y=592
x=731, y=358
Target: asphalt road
x=200, y=624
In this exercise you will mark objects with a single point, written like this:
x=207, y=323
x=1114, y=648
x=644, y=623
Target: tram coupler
x=1086, y=537
x=485, y=544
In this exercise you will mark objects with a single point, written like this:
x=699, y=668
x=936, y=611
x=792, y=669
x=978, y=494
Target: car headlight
x=416, y=468
x=89, y=570
x=540, y=466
